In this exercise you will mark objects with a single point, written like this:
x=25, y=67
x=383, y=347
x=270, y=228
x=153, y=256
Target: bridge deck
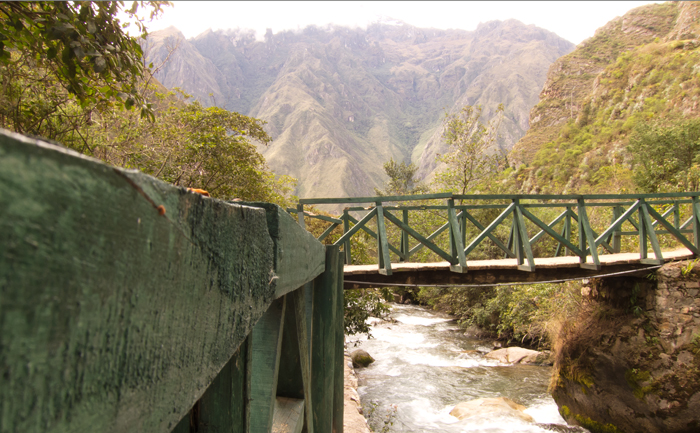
x=485, y=272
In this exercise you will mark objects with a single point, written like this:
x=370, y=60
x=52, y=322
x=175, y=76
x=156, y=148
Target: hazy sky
x=574, y=21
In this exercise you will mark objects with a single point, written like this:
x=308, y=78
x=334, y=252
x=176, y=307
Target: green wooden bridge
x=127, y=304
x=512, y=238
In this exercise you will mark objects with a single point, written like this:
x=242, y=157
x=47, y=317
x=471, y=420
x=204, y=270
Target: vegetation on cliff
x=639, y=69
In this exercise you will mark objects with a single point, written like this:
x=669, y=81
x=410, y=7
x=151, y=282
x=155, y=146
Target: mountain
x=340, y=102
x=641, y=67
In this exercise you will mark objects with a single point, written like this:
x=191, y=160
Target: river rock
x=499, y=406
x=360, y=358
x=518, y=355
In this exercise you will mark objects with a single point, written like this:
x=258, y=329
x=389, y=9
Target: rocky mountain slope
x=340, y=102
x=641, y=67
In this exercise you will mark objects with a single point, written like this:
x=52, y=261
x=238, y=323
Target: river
x=424, y=365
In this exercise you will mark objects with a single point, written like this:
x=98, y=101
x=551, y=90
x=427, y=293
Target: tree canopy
x=401, y=179
x=666, y=156
x=472, y=157
x=83, y=44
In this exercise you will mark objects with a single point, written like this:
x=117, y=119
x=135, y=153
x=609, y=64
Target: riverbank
x=353, y=420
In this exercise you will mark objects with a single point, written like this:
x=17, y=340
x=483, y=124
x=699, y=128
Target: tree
x=401, y=179
x=473, y=157
x=666, y=158
x=82, y=44
x=191, y=146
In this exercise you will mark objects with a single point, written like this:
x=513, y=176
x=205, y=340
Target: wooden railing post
x=300, y=215
x=457, y=247
x=346, y=228
x=585, y=236
x=327, y=344
x=616, y=236
x=384, y=258
x=405, y=249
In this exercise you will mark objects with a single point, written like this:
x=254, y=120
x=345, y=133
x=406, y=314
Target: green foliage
x=666, y=155
x=634, y=377
x=472, y=159
x=360, y=305
x=401, y=179
x=524, y=313
x=696, y=344
x=595, y=426
x=82, y=44
x=191, y=146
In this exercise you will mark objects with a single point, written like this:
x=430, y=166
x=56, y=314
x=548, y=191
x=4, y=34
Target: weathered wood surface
x=289, y=415
x=499, y=271
x=292, y=243
x=266, y=345
x=122, y=297
x=323, y=342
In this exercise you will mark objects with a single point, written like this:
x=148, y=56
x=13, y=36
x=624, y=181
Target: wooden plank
x=456, y=238
x=575, y=197
x=339, y=344
x=489, y=229
x=327, y=232
x=696, y=222
x=303, y=309
x=290, y=382
x=300, y=215
x=347, y=247
x=323, y=341
x=542, y=232
x=672, y=230
x=371, y=232
x=382, y=199
x=384, y=258
x=359, y=225
x=265, y=347
x=405, y=248
x=315, y=216
x=126, y=295
x=547, y=229
x=289, y=415
x=298, y=256
x=586, y=236
x=420, y=238
x=646, y=221
x=222, y=408
x=618, y=223
x=183, y=426
x=432, y=236
x=521, y=234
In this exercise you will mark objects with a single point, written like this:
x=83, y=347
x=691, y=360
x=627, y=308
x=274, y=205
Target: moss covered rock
x=360, y=358
x=631, y=362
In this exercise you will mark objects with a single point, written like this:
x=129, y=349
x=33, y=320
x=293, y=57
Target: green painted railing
x=515, y=225
x=130, y=305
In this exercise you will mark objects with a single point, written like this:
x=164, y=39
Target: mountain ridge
x=340, y=102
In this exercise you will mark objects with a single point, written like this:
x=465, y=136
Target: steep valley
x=340, y=102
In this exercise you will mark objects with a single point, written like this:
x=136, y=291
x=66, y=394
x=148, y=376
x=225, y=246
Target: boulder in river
x=360, y=358
x=518, y=355
x=499, y=406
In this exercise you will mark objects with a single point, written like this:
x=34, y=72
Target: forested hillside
x=636, y=81
x=341, y=102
